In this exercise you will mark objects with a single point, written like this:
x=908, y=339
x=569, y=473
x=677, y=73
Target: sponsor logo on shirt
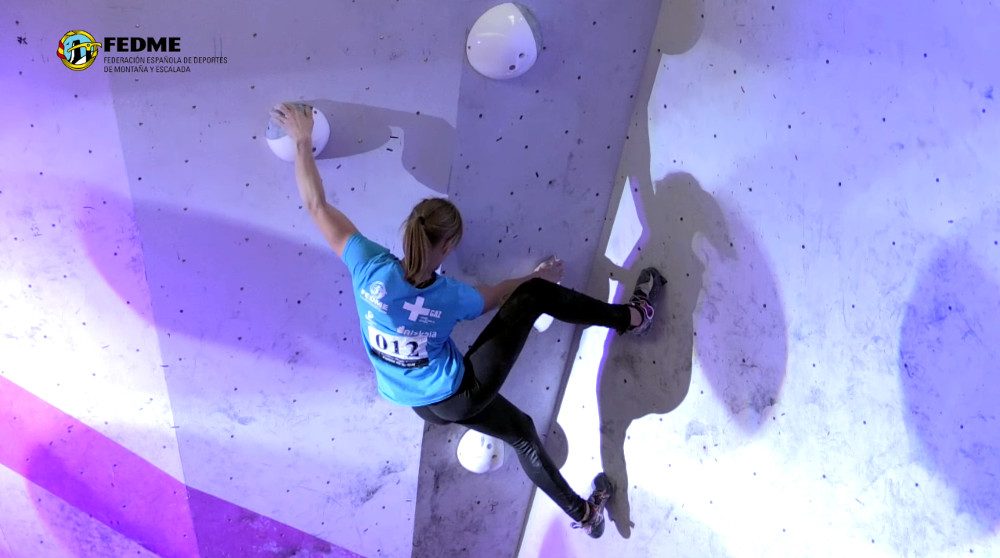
x=420, y=314
x=411, y=333
x=374, y=294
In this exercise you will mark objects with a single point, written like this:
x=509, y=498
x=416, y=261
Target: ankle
x=635, y=317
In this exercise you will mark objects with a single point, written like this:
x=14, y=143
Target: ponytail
x=416, y=245
x=432, y=221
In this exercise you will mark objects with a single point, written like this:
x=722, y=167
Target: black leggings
x=477, y=403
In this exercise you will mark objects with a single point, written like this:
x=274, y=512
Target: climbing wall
x=180, y=367
x=178, y=342
x=818, y=184
x=533, y=171
x=187, y=336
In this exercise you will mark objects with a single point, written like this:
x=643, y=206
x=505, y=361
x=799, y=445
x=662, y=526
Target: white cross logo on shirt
x=417, y=310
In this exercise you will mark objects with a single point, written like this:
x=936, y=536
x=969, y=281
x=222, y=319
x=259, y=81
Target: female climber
x=407, y=313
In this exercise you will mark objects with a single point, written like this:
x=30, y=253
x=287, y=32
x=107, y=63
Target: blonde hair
x=433, y=221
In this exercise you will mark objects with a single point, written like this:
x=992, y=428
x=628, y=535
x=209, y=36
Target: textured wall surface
x=818, y=183
x=180, y=367
x=533, y=174
x=167, y=299
x=163, y=286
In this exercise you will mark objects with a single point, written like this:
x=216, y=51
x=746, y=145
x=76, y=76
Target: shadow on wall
x=949, y=350
x=678, y=28
x=428, y=142
x=227, y=282
x=742, y=337
x=687, y=235
x=741, y=329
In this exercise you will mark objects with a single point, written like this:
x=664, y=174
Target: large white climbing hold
x=284, y=146
x=480, y=453
x=504, y=42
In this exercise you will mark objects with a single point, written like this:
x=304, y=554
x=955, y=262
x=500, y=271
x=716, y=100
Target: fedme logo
x=78, y=49
x=142, y=44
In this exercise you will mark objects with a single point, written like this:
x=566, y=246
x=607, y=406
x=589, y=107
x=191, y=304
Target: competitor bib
x=399, y=350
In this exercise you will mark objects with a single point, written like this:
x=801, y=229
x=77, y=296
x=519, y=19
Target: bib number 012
x=408, y=352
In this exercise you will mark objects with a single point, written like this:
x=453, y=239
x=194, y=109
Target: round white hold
x=504, y=42
x=480, y=453
x=284, y=146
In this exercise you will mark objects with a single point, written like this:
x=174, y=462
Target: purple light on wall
x=948, y=361
x=225, y=282
x=554, y=544
x=93, y=473
x=131, y=495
